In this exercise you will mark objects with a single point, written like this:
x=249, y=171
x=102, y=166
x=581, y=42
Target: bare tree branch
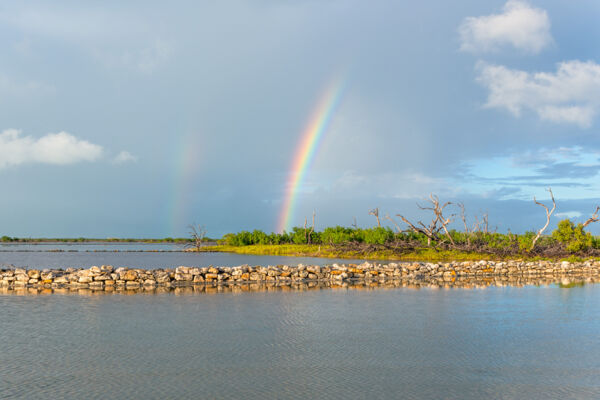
x=593, y=218
x=431, y=231
x=476, y=225
x=197, y=232
x=463, y=217
x=548, y=214
x=484, y=221
x=375, y=212
x=393, y=222
x=312, y=228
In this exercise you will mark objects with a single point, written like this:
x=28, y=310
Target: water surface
x=137, y=255
x=499, y=342
x=91, y=246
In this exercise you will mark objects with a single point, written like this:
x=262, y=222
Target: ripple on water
x=500, y=342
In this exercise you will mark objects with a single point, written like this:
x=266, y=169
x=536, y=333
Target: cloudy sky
x=137, y=119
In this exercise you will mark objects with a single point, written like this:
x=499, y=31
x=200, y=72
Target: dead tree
x=308, y=233
x=484, y=221
x=476, y=225
x=483, y=225
x=438, y=211
x=312, y=228
x=593, y=218
x=197, y=232
x=548, y=214
x=430, y=232
x=387, y=216
x=375, y=213
x=438, y=222
x=463, y=217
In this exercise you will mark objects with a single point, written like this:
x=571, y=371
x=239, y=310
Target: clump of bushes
x=568, y=238
x=573, y=236
x=299, y=235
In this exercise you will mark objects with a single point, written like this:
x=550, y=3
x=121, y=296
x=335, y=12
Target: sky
x=136, y=119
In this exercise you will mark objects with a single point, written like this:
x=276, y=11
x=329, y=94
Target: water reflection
x=351, y=341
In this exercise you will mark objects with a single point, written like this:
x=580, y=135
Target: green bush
x=378, y=235
x=572, y=236
x=259, y=237
x=337, y=235
x=298, y=235
x=243, y=238
x=526, y=240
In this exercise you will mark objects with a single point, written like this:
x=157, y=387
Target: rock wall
x=467, y=274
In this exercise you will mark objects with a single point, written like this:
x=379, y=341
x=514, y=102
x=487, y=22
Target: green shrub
x=526, y=240
x=572, y=236
x=337, y=235
x=378, y=235
x=298, y=235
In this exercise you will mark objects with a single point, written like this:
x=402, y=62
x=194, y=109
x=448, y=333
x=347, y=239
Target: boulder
x=130, y=276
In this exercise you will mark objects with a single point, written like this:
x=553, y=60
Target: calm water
x=500, y=342
x=128, y=255
x=91, y=246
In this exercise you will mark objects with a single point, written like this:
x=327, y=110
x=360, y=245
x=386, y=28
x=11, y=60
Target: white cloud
x=54, y=148
x=569, y=95
x=520, y=25
x=568, y=214
x=124, y=157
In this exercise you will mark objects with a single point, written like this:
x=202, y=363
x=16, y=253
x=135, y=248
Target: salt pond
x=137, y=255
x=534, y=342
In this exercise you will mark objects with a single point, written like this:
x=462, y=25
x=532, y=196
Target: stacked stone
x=106, y=276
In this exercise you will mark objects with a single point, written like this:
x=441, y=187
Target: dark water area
x=136, y=256
x=499, y=342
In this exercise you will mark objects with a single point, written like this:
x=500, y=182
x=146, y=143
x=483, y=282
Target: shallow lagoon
x=499, y=342
x=535, y=342
x=136, y=256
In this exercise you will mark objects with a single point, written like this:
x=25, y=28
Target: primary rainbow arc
x=307, y=148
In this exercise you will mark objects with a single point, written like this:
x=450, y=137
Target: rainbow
x=307, y=147
x=187, y=158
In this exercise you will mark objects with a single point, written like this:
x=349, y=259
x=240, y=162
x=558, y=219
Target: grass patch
x=304, y=250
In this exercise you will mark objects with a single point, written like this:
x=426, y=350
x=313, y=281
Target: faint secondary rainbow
x=307, y=147
x=187, y=156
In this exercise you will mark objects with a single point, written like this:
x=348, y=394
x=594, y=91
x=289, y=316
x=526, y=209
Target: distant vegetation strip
x=418, y=240
x=568, y=240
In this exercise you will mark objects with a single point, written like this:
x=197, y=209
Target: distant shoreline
x=9, y=240
x=426, y=254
